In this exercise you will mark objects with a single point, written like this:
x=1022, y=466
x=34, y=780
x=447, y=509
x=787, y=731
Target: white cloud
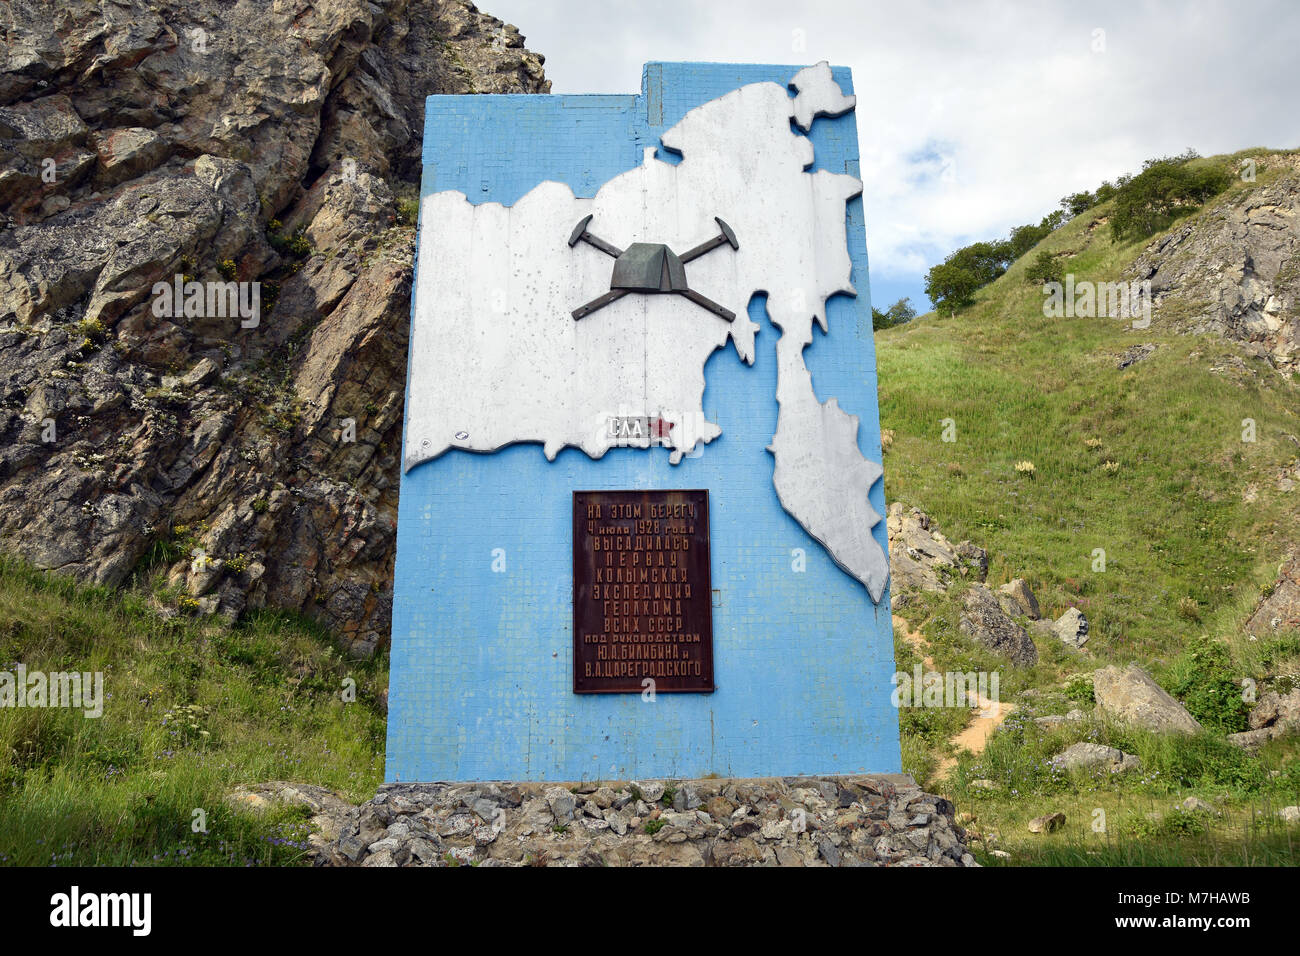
x=972, y=117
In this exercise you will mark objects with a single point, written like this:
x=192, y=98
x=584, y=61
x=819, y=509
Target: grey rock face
x=142, y=140
x=1233, y=270
x=922, y=559
x=984, y=621
x=1132, y=695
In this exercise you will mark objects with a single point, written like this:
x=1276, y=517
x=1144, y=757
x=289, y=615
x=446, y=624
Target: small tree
x=984, y=260
x=1024, y=238
x=1044, y=269
x=951, y=286
x=1053, y=220
x=897, y=314
x=1076, y=203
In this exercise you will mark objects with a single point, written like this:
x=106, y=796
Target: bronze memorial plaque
x=642, y=608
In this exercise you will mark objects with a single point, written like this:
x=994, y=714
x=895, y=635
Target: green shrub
x=1179, y=823
x=1173, y=763
x=92, y=329
x=1166, y=188
x=931, y=724
x=1045, y=268
x=408, y=210
x=1017, y=758
x=1079, y=689
x=951, y=287
x=295, y=244
x=1202, y=678
x=1076, y=203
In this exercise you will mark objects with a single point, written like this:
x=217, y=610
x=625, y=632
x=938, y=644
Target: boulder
x=562, y=804
x=1281, y=712
x=1072, y=628
x=1085, y=756
x=1135, y=354
x=984, y=621
x=1047, y=823
x=328, y=810
x=1057, y=721
x=652, y=791
x=1131, y=695
x=1016, y=598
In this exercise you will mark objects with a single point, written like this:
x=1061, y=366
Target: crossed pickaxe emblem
x=651, y=267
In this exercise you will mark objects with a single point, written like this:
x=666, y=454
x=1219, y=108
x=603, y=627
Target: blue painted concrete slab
x=481, y=682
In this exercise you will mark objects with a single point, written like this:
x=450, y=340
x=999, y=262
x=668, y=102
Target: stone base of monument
x=880, y=820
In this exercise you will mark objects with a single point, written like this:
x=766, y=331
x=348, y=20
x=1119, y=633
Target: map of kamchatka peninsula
x=498, y=357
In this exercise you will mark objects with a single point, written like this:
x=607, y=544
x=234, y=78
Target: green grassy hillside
x=1147, y=464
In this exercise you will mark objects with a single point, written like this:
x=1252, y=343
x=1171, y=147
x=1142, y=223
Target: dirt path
x=985, y=719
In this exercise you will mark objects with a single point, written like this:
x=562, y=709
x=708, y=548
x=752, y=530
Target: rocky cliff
x=227, y=461
x=1235, y=270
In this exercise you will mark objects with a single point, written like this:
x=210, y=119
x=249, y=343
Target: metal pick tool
x=651, y=267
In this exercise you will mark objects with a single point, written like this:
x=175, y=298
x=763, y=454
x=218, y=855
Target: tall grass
x=193, y=707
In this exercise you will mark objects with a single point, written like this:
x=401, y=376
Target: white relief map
x=497, y=356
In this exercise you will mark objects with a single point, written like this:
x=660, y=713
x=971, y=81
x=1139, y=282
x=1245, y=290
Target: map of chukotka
x=497, y=357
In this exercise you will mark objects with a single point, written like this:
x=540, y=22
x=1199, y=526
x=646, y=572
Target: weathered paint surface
x=481, y=660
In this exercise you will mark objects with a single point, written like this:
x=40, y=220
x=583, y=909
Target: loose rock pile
x=922, y=559
x=881, y=820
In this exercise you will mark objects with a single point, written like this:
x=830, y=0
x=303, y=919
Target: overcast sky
x=973, y=117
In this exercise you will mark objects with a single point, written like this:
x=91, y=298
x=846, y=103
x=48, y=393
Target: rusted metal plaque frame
x=686, y=666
